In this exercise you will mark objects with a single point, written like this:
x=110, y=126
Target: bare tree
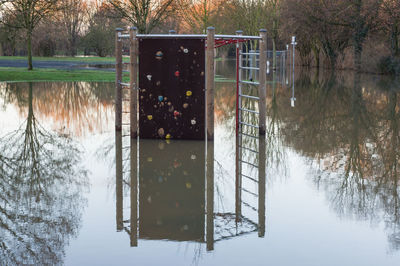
x=198, y=15
x=390, y=18
x=144, y=14
x=29, y=13
x=72, y=19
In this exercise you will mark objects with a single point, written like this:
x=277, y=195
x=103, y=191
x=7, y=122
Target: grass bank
x=12, y=74
x=91, y=59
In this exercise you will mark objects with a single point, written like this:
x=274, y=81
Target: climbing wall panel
x=172, y=88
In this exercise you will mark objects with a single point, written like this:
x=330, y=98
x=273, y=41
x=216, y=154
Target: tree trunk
x=273, y=54
x=357, y=56
x=395, y=40
x=30, y=67
x=316, y=55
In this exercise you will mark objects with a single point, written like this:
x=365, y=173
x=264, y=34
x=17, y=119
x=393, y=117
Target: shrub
x=389, y=65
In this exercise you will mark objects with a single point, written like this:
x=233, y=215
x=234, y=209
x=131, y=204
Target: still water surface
x=331, y=177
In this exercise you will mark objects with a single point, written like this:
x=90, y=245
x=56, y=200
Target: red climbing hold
x=177, y=73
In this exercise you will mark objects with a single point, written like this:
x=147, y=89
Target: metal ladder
x=247, y=129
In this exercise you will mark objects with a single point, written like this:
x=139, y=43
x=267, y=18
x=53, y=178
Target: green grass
x=11, y=74
x=93, y=59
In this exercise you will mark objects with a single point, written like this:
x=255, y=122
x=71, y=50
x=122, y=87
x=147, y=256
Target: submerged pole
x=134, y=193
x=261, y=186
x=262, y=88
x=118, y=80
x=119, y=181
x=210, y=67
x=210, y=195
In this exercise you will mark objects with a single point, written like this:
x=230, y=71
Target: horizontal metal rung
x=248, y=205
x=250, y=68
x=251, y=193
x=126, y=124
x=247, y=135
x=249, y=97
x=249, y=125
x=248, y=163
x=249, y=53
x=250, y=178
x=249, y=82
x=126, y=135
x=245, y=148
x=249, y=111
x=125, y=84
x=127, y=147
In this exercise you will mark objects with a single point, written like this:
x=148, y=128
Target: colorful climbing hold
x=185, y=105
x=193, y=121
x=188, y=185
x=176, y=113
x=161, y=132
x=158, y=83
x=189, y=93
x=150, y=117
x=177, y=73
x=168, y=136
x=159, y=55
x=149, y=77
x=160, y=98
x=185, y=51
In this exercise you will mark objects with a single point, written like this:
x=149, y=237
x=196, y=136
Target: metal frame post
x=293, y=99
x=210, y=68
x=133, y=75
x=262, y=88
x=238, y=190
x=118, y=79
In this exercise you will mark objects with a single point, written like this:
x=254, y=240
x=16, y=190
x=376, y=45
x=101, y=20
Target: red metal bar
x=221, y=42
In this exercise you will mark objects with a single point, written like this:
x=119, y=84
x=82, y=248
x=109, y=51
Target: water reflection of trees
x=40, y=192
x=73, y=107
x=349, y=128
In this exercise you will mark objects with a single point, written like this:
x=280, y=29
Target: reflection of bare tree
x=40, y=193
x=275, y=154
x=354, y=132
x=74, y=107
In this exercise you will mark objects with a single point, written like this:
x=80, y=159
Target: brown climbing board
x=172, y=88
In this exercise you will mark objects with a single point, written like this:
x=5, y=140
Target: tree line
x=358, y=34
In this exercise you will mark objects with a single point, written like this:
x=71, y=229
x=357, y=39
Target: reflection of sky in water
x=303, y=224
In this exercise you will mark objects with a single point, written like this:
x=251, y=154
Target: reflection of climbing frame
x=170, y=198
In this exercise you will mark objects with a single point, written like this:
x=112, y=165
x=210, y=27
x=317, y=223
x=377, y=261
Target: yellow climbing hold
x=168, y=136
x=150, y=117
x=189, y=93
x=188, y=185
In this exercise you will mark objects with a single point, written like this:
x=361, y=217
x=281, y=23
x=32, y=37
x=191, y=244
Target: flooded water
x=320, y=189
